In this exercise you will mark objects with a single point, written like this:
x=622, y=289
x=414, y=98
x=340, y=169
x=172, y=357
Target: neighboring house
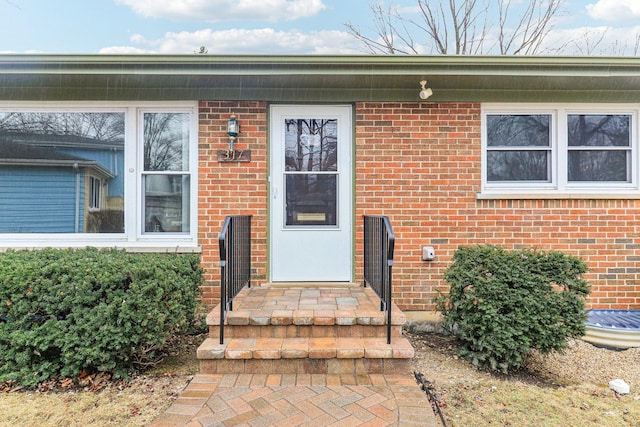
x=58, y=183
x=513, y=151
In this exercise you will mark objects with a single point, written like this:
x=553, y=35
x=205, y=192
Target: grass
x=514, y=403
x=549, y=396
x=133, y=404
x=469, y=397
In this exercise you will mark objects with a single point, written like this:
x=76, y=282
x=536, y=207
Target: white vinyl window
x=98, y=174
x=559, y=149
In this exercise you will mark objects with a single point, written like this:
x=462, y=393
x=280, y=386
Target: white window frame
x=133, y=238
x=559, y=185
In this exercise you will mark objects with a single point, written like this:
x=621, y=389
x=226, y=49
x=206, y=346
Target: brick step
x=305, y=355
x=306, y=312
x=306, y=366
x=312, y=348
x=298, y=331
x=317, y=317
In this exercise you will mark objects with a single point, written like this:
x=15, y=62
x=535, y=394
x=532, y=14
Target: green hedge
x=504, y=304
x=67, y=311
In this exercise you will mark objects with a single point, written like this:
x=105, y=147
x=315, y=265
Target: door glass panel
x=311, y=199
x=310, y=145
x=311, y=172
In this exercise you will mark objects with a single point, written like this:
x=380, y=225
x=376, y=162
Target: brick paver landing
x=289, y=400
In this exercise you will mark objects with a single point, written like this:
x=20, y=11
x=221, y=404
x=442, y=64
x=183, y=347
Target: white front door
x=311, y=209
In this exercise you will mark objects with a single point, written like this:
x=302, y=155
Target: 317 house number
x=228, y=156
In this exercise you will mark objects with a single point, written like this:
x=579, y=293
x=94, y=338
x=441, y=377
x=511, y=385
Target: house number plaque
x=234, y=156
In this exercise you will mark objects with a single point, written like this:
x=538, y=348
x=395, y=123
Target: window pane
x=509, y=130
x=166, y=141
x=596, y=165
x=47, y=160
x=518, y=166
x=311, y=199
x=166, y=203
x=310, y=145
x=590, y=130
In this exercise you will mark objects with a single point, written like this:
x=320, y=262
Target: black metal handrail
x=379, y=242
x=235, y=262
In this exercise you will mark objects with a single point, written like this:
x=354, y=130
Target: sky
x=584, y=27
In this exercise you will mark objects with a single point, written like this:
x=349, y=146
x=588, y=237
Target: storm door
x=311, y=190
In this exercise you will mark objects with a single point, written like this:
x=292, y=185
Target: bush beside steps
x=503, y=304
x=64, y=312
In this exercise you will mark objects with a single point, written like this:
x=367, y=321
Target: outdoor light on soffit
x=233, y=129
x=425, y=92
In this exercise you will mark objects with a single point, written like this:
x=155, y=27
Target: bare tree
x=461, y=27
x=593, y=42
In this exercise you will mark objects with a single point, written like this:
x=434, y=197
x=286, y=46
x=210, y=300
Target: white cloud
x=223, y=10
x=615, y=10
x=244, y=41
x=123, y=50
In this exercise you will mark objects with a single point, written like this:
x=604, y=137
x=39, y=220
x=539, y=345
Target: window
x=100, y=174
x=599, y=147
x=559, y=150
x=166, y=172
x=95, y=193
x=518, y=147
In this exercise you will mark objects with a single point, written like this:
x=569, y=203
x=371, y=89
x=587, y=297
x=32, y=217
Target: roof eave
x=318, y=78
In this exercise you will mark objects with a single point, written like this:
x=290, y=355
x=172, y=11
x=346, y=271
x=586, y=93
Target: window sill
x=163, y=249
x=159, y=248
x=557, y=196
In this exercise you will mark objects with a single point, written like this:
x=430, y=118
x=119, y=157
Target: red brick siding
x=231, y=188
x=419, y=164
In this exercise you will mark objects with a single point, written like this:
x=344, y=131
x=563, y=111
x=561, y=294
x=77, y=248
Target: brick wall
x=419, y=164
x=231, y=188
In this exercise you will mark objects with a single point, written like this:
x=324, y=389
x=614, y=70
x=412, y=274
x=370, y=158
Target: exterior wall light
x=425, y=92
x=233, y=129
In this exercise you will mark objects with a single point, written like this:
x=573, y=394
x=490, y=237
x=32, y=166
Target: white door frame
x=314, y=252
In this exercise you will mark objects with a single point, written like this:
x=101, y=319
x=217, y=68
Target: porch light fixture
x=233, y=129
x=425, y=92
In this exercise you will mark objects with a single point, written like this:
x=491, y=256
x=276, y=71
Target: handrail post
x=379, y=242
x=223, y=298
x=235, y=262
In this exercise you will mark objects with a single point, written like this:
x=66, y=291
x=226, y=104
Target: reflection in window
x=61, y=172
x=517, y=166
x=95, y=193
x=599, y=147
x=311, y=199
x=519, y=147
x=166, y=141
x=310, y=145
x=166, y=185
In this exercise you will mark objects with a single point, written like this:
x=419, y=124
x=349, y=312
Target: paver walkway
x=303, y=356
x=289, y=400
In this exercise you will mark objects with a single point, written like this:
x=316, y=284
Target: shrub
x=67, y=311
x=504, y=304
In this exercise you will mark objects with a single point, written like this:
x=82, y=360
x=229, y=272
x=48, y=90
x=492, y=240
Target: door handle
x=275, y=192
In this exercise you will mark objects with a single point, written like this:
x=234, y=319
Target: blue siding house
x=50, y=184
